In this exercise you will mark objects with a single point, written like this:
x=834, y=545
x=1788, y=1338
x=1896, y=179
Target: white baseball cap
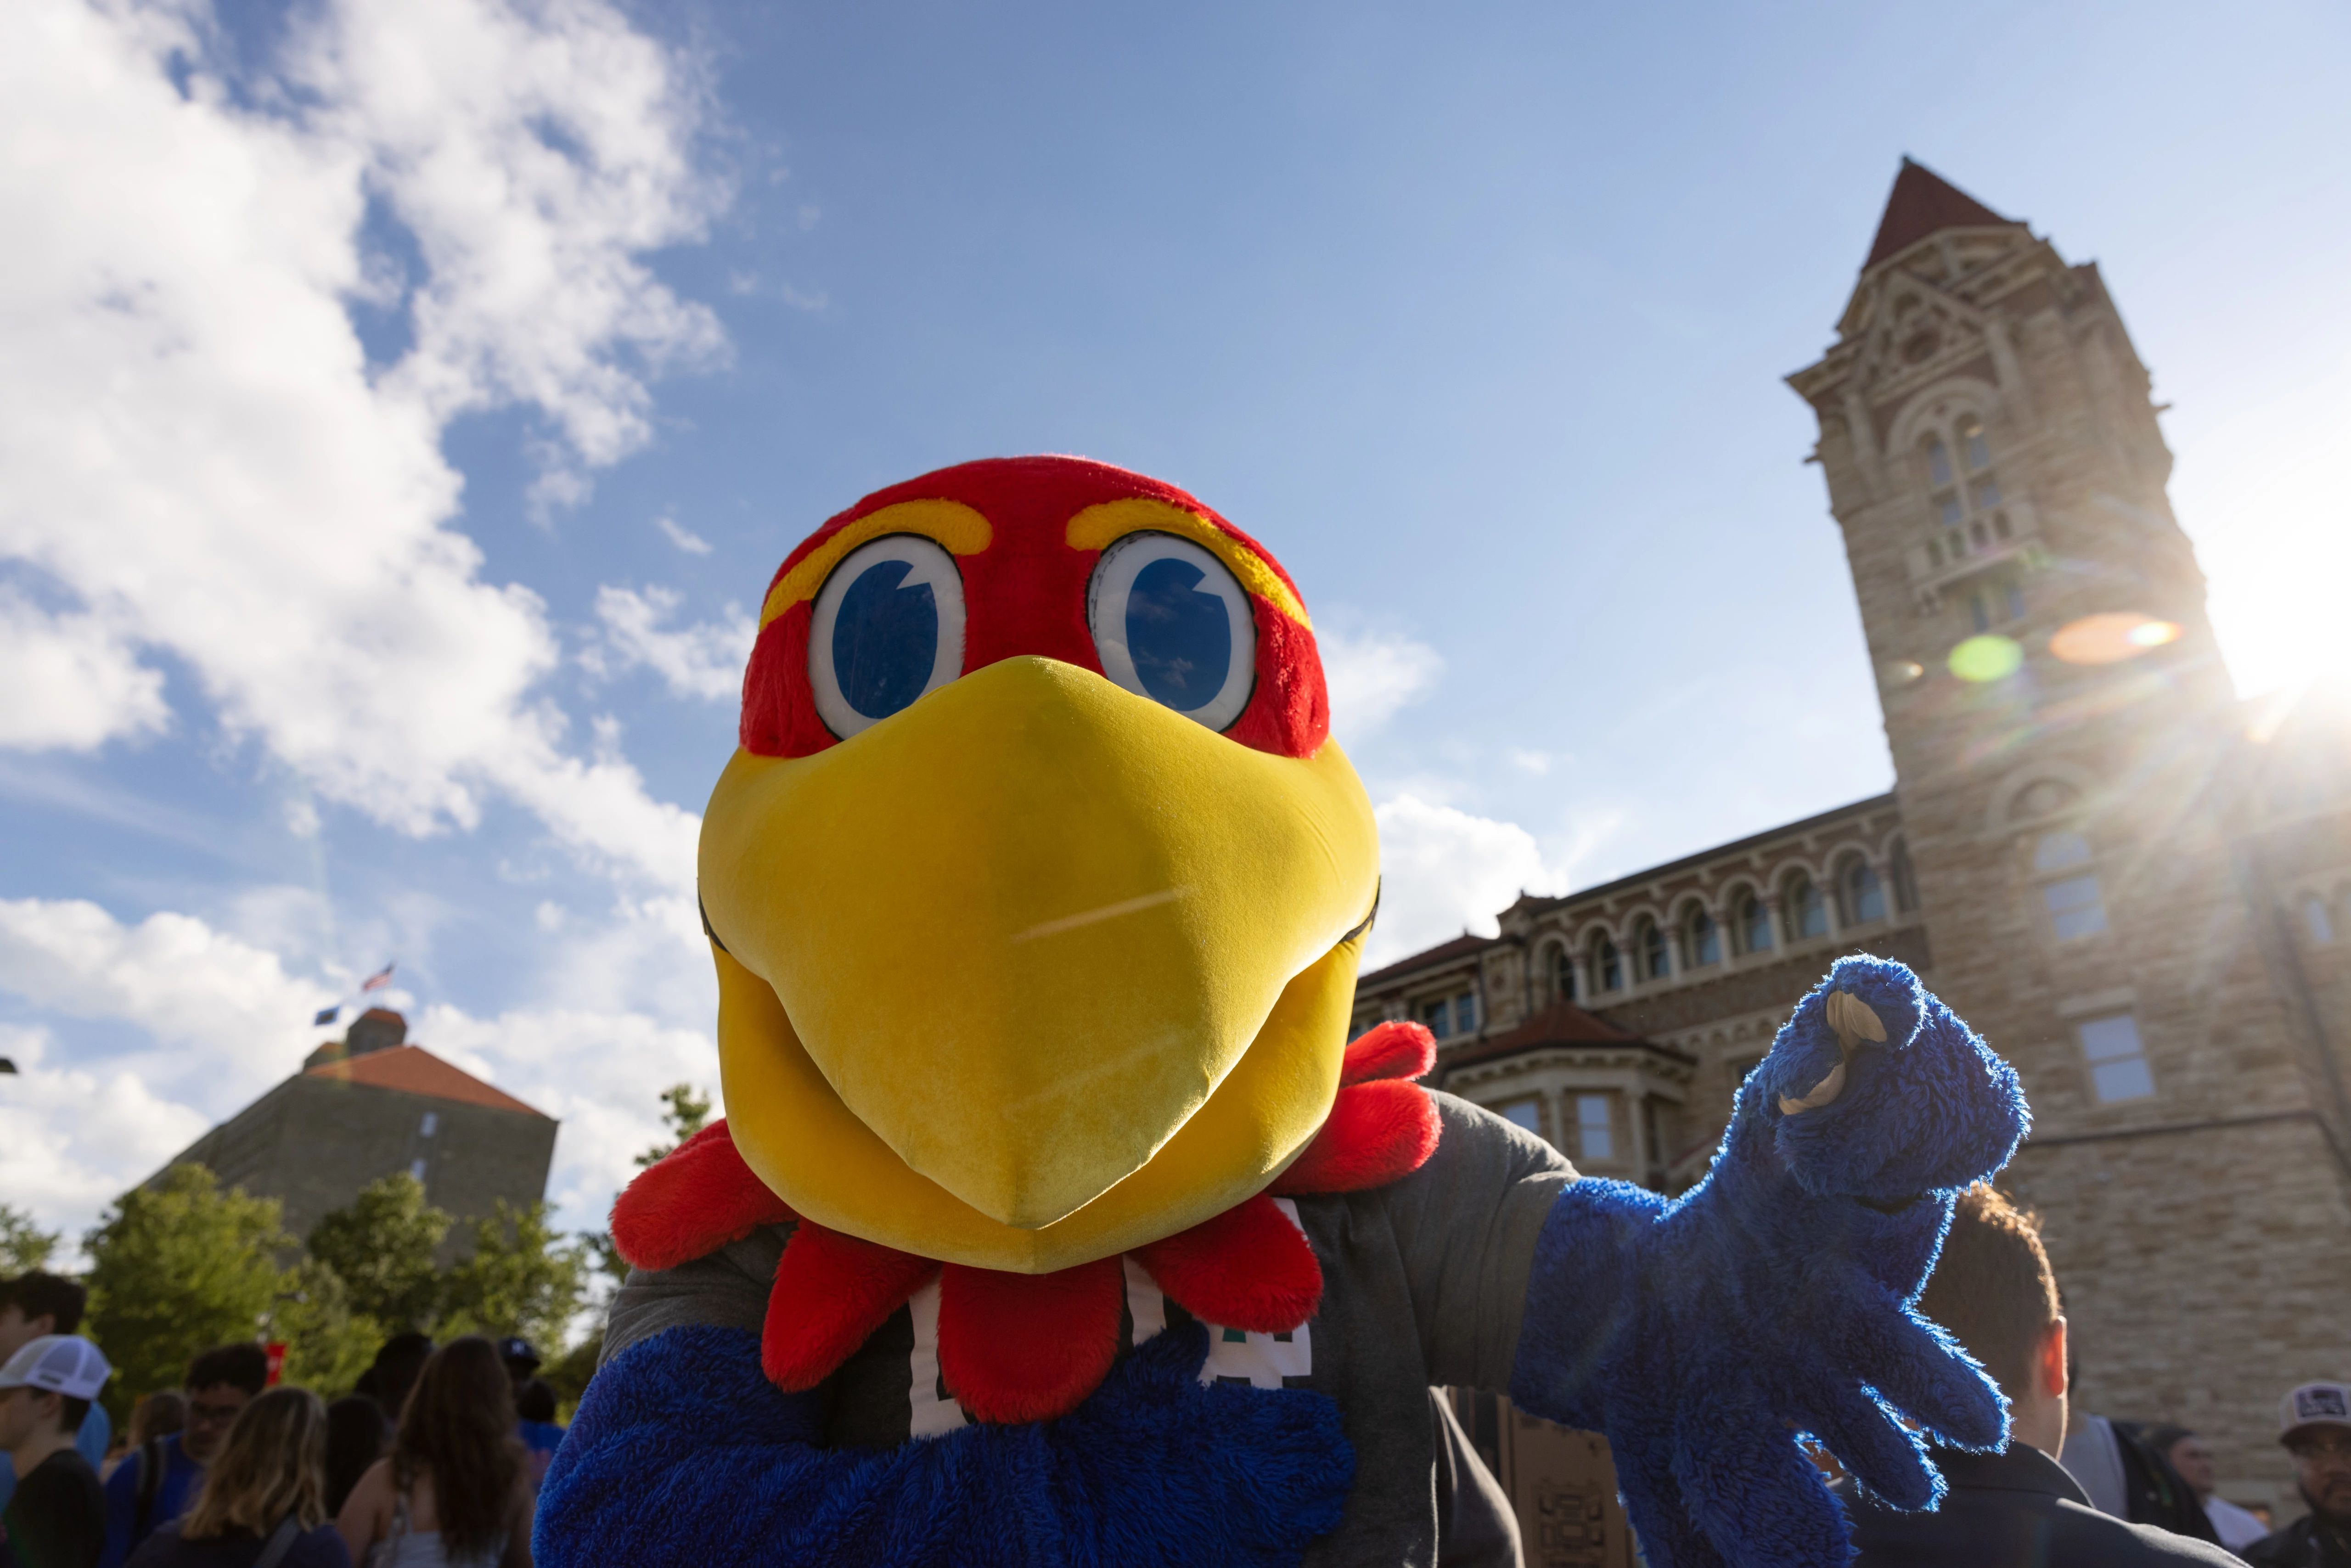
x=2313, y=1404
x=59, y=1363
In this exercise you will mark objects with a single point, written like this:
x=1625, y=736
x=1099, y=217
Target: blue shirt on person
x=182, y=1478
x=96, y=1436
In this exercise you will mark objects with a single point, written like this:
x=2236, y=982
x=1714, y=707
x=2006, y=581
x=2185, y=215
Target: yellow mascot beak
x=1034, y=971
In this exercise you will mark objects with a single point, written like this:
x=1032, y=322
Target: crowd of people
x=435, y=1458
x=433, y=1462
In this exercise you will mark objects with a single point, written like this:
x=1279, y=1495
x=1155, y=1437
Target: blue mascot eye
x=887, y=628
x=1172, y=625
x=1181, y=640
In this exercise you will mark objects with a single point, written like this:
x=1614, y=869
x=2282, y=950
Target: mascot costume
x=1054, y=1219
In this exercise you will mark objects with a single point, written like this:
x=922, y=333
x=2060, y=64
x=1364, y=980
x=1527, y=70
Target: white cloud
x=71, y=683
x=1371, y=675
x=1444, y=872
x=193, y=444
x=71, y=1139
x=705, y=659
x=682, y=537
x=231, y=1003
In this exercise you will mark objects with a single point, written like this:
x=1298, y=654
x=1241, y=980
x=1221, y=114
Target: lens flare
x=2111, y=637
x=1990, y=657
x=1900, y=671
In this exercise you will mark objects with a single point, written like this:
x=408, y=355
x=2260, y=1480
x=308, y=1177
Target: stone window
x=1563, y=976
x=1754, y=922
x=431, y=1124
x=1465, y=1013
x=1526, y=1113
x=1966, y=505
x=2118, y=1069
x=2315, y=916
x=1905, y=880
x=416, y=1167
x=1808, y=910
x=1863, y=892
x=2055, y=852
x=1656, y=963
x=1995, y=604
x=1607, y=964
x=1595, y=1135
x=1439, y=1016
x=1701, y=938
x=2075, y=907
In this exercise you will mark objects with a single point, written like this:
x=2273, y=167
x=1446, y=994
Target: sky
x=403, y=403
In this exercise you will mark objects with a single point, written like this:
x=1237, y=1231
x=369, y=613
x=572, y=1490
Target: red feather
x=1028, y=1347
x=831, y=1291
x=1392, y=1050
x=695, y=1201
x=1249, y=1267
x=1376, y=1133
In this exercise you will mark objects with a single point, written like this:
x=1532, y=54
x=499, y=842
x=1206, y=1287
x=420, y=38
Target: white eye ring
x=882, y=686
x=1109, y=596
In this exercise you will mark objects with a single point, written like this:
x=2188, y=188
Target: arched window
x=2055, y=852
x=1701, y=938
x=1905, y=880
x=1651, y=951
x=1607, y=964
x=1964, y=497
x=1656, y=963
x=1753, y=920
x=1863, y=894
x=1563, y=976
x=1807, y=908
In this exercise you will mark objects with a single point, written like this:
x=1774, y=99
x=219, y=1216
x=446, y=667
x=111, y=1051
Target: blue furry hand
x=685, y=1455
x=1701, y=1335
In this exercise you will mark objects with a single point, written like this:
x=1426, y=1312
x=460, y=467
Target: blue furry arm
x=683, y=1454
x=1700, y=1334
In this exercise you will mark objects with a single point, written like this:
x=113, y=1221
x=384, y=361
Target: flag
x=380, y=979
x=327, y=1015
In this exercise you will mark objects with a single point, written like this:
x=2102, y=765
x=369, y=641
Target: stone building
x=2137, y=887
x=371, y=1105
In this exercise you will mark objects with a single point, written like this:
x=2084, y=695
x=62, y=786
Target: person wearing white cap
x=57, y=1517
x=2314, y=1424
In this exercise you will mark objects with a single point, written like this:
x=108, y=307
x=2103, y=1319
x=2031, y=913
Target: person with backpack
x=34, y=1305
x=262, y=1503
x=155, y=1485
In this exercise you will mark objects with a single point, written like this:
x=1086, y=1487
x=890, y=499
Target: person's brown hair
x=459, y=1427
x=159, y=1414
x=1992, y=1289
x=273, y=1464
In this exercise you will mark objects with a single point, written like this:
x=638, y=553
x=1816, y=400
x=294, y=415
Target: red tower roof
x=1921, y=203
x=414, y=1070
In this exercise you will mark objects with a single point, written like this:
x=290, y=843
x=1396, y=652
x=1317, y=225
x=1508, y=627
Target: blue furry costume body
x=1701, y=1335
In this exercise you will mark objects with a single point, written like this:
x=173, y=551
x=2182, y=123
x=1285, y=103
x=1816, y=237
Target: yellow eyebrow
x=960, y=529
x=1097, y=526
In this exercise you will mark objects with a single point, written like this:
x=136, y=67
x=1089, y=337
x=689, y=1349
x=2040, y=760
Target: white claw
x=1853, y=1022
x=1821, y=1093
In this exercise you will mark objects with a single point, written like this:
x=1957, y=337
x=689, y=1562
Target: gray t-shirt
x=1423, y=1281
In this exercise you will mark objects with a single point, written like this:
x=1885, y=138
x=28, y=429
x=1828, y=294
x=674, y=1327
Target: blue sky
x=401, y=404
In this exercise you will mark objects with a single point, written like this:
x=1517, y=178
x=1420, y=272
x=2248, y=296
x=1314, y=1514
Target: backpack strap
x=281, y=1541
x=150, y=1487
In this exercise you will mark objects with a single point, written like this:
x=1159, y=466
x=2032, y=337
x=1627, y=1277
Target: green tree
x=520, y=1280
x=381, y=1246
x=177, y=1268
x=689, y=1114
x=23, y=1245
x=327, y=1344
